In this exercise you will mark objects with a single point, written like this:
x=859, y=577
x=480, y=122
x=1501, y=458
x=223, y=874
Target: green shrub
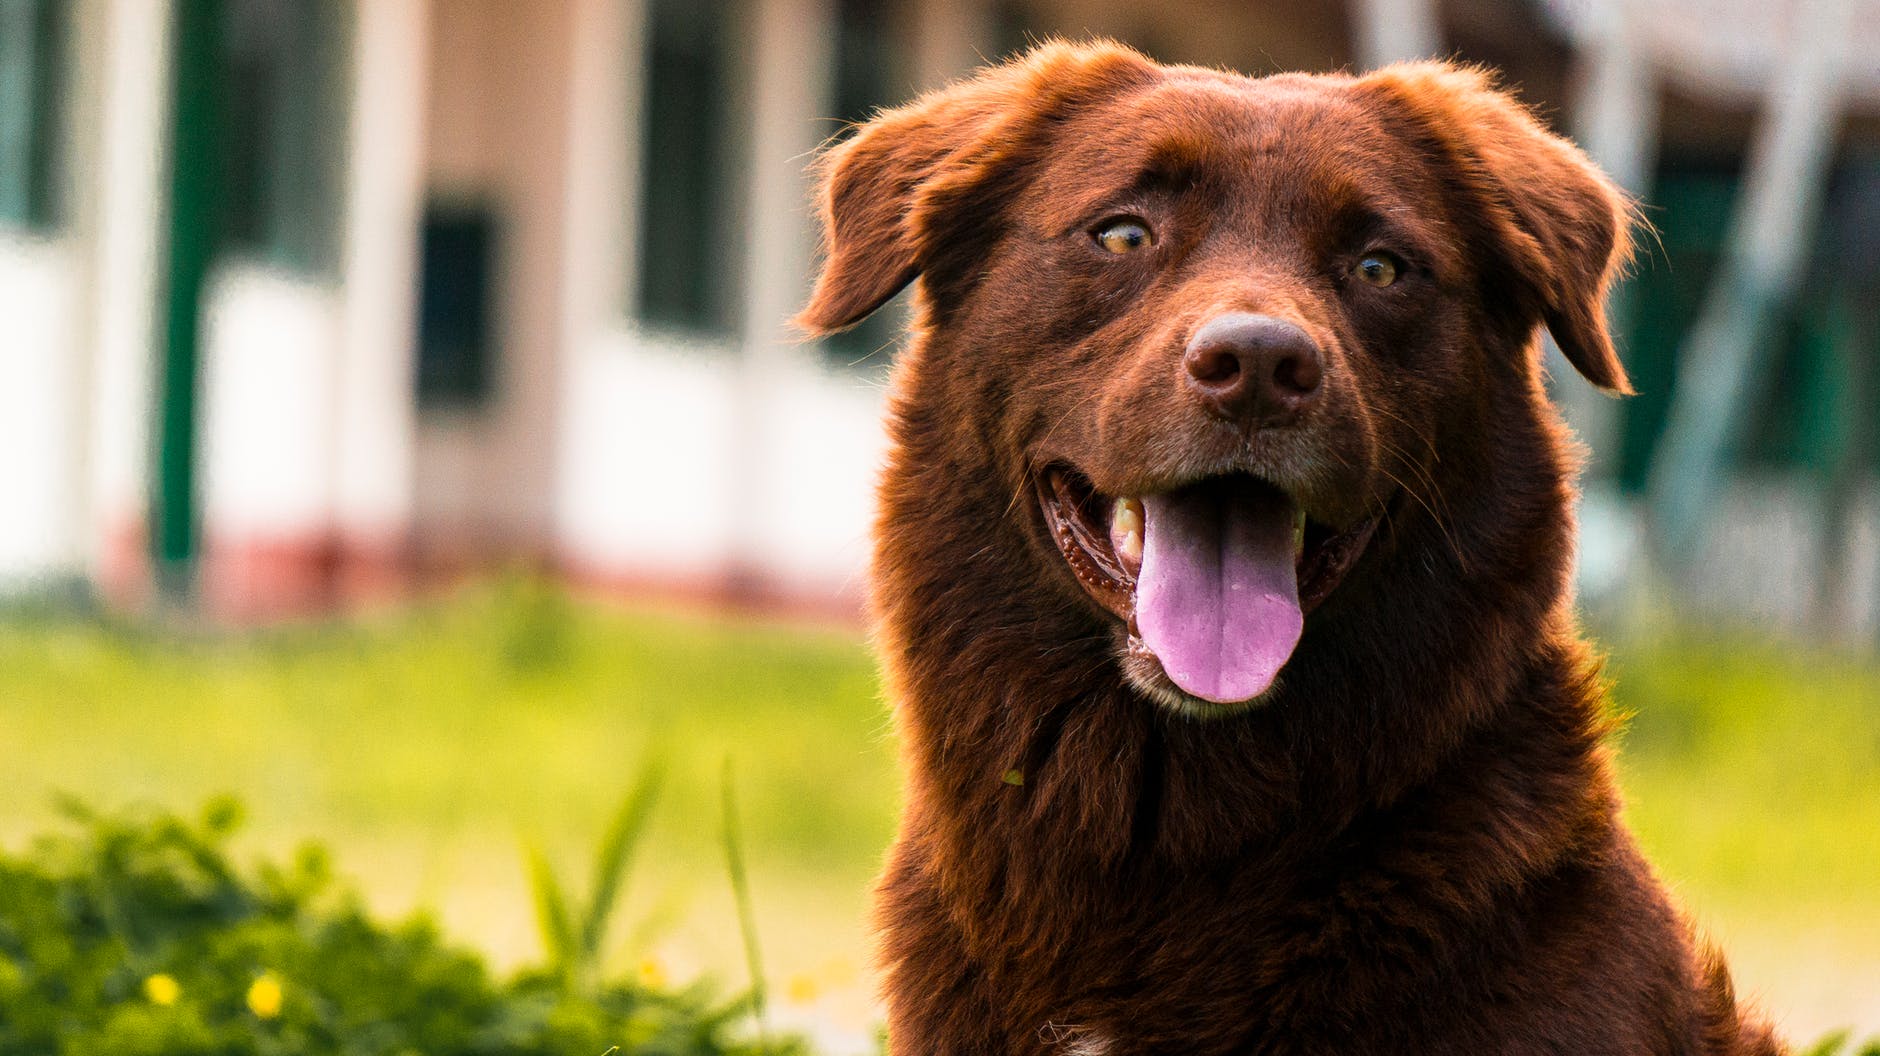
x=1840, y=1044
x=134, y=935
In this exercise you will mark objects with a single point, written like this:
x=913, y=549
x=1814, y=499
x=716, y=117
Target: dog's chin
x=1144, y=674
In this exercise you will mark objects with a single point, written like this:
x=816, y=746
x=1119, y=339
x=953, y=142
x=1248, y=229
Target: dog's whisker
x=1422, y=472
x=1441, y=519
x=1018, y=494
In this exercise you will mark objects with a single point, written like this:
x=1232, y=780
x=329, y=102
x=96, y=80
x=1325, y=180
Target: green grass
x=431, y=747
x=515, y=706
x=1753, y=772
x=1752, y=776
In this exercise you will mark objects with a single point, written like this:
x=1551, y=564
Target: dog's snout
x=1253, y=368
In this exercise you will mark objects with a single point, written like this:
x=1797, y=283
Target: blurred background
x=399, y=428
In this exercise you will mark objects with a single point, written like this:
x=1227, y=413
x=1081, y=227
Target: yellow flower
x=652, y=974
x=162, y=989
x=802, y=989
x=264, y=996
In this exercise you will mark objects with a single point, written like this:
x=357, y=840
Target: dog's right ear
x=883, y=187
x=1559, y=226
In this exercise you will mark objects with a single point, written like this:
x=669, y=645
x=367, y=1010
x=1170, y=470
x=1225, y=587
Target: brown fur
x=1412, y=844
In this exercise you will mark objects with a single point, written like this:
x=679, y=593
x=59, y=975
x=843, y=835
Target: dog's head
x=1215, y=331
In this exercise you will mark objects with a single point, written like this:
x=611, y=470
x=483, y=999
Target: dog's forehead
x=1306, y=130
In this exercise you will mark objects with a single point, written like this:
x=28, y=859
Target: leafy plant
x=576, y=942
x=136, y=935
x=1839, y=1044
x=747, y=920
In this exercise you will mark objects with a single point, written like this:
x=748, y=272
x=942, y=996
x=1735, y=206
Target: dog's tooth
x=1126, y=531
x=1126, y=516
x=1131, y=550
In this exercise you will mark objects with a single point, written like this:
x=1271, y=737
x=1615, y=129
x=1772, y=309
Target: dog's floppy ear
x=925, y=169
x=1558, y=223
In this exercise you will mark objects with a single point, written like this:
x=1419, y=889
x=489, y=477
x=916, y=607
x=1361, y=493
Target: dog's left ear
x=1560, y=225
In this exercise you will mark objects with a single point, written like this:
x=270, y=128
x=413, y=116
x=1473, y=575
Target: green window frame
x=1804, y=416
x=1691, y=210
x=34, y=77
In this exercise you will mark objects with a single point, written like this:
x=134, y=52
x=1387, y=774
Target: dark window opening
x=688, y=248
x=456, y=306
x=283, y=110
x=870, y=68
x=34, y=66
x=868, y=59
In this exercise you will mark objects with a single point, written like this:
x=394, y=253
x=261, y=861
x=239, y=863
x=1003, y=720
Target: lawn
x=1752, y=774
x=431, y=747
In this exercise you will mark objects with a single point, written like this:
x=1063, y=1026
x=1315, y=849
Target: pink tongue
x=1217, y=600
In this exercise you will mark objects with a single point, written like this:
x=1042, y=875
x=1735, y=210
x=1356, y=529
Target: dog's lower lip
x=1084, y=524
x=1082, y=534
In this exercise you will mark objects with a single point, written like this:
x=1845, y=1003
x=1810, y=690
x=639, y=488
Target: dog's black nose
x=1253, y=368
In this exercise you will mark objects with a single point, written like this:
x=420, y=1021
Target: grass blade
x=616, y=853
x=747, y=920
x=551, y=914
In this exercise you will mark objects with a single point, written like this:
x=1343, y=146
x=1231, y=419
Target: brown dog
x=1223, y=572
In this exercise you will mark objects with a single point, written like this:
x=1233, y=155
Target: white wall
x=684, y=461
x=39, y=413
x=650, y=468
x=646, y=454
x=822, y=452
x=266, y=436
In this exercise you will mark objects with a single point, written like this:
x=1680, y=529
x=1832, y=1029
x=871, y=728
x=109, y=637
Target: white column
x=791, y=67
x=791, y=63
x=599, y=229
x=950, y=40
x=1615, y=97
x=597, y=225
x=73, y=518
x=526, y=107
x=1388, y=31
x=374, y=410
x=133, y=112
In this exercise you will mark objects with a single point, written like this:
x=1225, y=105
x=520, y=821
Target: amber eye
x=1377, y=269
x=1124, y=236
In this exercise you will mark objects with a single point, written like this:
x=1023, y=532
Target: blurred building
x=302, y=301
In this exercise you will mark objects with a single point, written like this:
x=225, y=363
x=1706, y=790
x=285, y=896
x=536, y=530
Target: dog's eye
x=1377, y=269
x=1124, y=236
